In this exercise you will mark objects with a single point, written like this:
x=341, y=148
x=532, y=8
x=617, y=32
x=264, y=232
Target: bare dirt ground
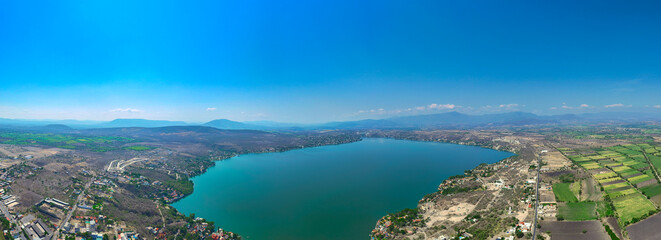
x=454, y=213
x=555, y=160
x=546, y=196
x=16, y=151
x=646, y=229
x=646, y=183
x=574, y=230
x=656, y=199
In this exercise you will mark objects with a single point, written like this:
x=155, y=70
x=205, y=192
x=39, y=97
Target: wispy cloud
x=616, y=105
x=498, y=108
x=429, y=107
x=126, y=110
x=656, y=106
x=565, y=106
x=211, y=109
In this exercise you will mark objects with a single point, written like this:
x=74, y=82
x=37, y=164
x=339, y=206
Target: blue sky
x=317, y=61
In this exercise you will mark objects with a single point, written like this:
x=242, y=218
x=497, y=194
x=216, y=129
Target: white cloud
x=616, y=105
x=126, y=110
x=511, y=105
x=441, y=106
x=584, y=105
x=656, y=106
x=210, y=109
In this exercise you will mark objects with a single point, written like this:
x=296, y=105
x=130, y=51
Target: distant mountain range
x=449, y=120
x=455, y=120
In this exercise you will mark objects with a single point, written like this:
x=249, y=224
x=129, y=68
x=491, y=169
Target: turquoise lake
x=329, y=192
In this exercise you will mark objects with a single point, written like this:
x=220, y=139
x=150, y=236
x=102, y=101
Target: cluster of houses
x=82, y=224
x=223, y=235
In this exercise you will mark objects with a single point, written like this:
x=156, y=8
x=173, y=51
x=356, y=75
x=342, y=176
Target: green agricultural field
x=651, y=190
x=613, y=164
x=629, y=163
x=656, y=161
x=563, y=193
x=614, y=186
x=620, y=158
x=622, y=193
x=639, y=158
x=139, y=148
x=605, y=175
x=97, y=144
x=591, y=166
x=607, y=180
x=632, y=147
x=632, y=207
x=621, y=169
x=628, y=172
x=649, y=172
x=639, y=165
x=578, y=211
x=608, y=153
x=639, y=179
x=582, y=159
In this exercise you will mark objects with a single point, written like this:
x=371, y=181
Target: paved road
x=73, y=209
x=534, y=222
x=5, y=211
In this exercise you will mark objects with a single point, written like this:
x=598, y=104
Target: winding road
x=73, y=209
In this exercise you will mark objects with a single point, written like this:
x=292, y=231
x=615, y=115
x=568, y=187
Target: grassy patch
x=605, y=209
x=139, y=148
x=633, y=207
x=651, y=190
x=563, y=193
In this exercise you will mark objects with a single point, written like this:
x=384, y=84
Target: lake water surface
x=330, y=192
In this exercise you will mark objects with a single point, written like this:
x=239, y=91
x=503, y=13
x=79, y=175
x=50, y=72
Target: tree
x=519, y=234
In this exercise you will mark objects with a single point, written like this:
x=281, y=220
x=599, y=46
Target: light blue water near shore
x=330, y=192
